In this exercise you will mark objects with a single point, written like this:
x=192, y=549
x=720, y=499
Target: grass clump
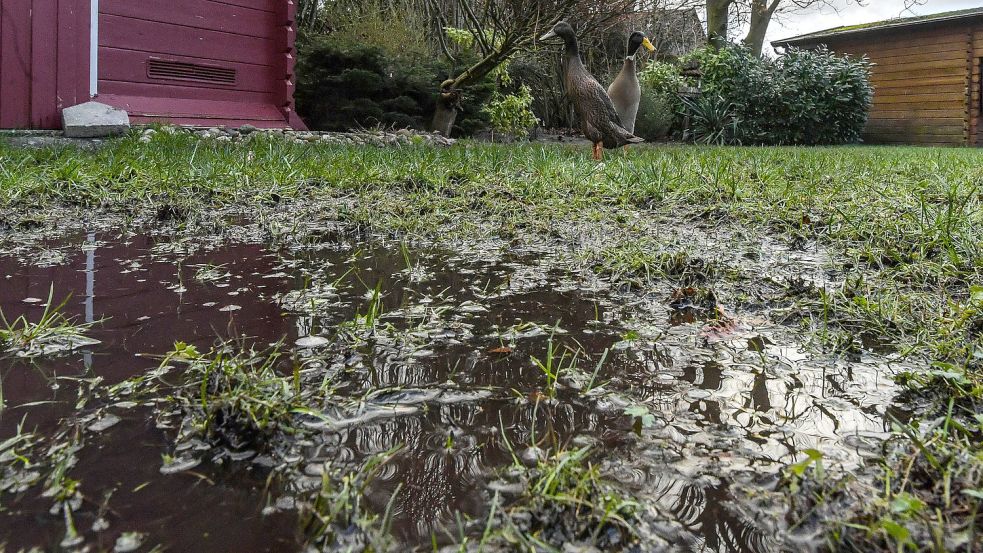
x=336, y=518
x=567, y=501
x=52, y=333
x=236, y=396
x=928, y=497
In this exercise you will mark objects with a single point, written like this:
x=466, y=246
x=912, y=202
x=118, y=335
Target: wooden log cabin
x=926, y=75
x=189, y=62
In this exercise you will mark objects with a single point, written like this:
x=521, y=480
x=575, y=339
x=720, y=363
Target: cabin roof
x=896, y=23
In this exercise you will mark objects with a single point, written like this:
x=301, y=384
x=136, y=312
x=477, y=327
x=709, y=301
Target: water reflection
x=449, y=382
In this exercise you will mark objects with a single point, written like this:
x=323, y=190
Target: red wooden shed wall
x=244, y=49
x=243, y=42
x=44, y=60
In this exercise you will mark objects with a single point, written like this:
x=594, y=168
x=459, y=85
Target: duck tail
x=625, y=136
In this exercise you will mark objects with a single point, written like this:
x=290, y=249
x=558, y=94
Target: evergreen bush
x=345, y=82
x=800, y=97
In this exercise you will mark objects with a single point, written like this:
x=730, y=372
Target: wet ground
x=446, y=373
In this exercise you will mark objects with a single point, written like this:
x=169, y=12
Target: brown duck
x=599, y=121
x=625, y=92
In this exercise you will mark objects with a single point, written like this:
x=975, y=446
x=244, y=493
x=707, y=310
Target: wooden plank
x=73, y=54
x=913, y=138
x=191, y=59
x=263, y=5
x=914, y=122
x=207, y=122
x=882, y=112
x=893, y=73
x=163, y=38
x=912, y=130
x=199, y=14
x=15, y=59
x=913, y=135
x=908, y=39
x=900, y=90
x=931, y=82
x=957, y=97
x=908, y=59
x=182, y=92
x=144, y=106
x=130, y=66
x=955, y=63
x=904, y=49
x=915, y=105
x=44, y=91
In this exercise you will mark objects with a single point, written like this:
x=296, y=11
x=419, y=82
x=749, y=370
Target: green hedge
x=800, y=97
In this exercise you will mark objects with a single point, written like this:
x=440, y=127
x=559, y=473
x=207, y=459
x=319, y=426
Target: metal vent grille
x=193, y=72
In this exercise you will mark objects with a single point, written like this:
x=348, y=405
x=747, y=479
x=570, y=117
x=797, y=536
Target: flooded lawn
x=429, y=380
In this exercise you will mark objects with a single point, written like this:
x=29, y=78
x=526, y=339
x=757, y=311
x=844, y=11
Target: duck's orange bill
x=648, y=44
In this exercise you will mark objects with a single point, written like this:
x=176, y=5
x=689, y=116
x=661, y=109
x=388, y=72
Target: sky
x=847, y=12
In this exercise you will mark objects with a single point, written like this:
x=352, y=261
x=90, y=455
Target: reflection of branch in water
x=703, y=509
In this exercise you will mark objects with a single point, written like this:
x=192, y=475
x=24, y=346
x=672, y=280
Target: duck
x=624, y=90
x=599, y=120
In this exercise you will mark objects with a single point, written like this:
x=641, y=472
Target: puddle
x=448, y=379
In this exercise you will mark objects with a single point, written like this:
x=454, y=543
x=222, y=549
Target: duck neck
x=572, y=49
x=633, y=46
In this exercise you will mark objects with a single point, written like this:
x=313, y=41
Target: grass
x=901, y=226
x=237, y=396
x=565, y=501
x=52, y=333
x=337, y=516
x=558, y=360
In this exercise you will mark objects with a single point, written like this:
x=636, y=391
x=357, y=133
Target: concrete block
x=93, y=119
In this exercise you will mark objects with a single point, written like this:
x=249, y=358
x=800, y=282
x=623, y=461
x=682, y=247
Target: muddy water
x=732, y=403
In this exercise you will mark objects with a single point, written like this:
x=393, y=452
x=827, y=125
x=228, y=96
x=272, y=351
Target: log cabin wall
x=976, y=96
x=921, y=77
x=926, y=75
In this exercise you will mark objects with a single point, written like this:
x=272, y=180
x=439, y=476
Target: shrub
x=801, y=97
x=827, y=97
x=511, y=113
x=657, y=113
x=660, y=103
x=660, y=77
x=344, y=82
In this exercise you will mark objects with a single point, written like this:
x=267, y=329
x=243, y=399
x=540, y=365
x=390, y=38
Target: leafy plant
x=511, y=114
x=657, y=113
x=711, y=121
x=661, y=78
x=338, y=515
x=558, y=360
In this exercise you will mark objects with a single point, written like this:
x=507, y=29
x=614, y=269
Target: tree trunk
x=718, y=17
x=761, y=14
x=446, y=112
x=449, y=100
